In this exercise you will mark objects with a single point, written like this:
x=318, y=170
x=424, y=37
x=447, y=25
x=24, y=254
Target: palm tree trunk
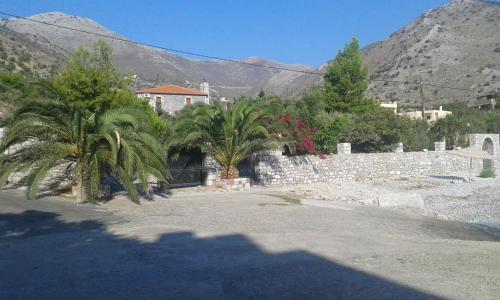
x=77, y=187
x=230, y=172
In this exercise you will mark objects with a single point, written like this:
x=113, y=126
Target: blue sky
x=303, y=32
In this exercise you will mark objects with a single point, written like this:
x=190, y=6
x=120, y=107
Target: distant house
x=429, y=115
x=391, y=107
x=487, y=101
x=168, y=99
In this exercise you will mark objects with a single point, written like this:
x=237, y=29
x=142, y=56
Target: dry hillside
x=456, y=45
x=156, y=66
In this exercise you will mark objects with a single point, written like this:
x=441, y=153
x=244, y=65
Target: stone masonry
x=57, y=178
x=480, y=141
x=440, y=146
x=344, y=149
x=212, y=171
x=274, y=168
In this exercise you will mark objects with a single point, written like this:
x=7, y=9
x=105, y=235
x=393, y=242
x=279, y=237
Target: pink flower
x=300, y=124
x=287, y=118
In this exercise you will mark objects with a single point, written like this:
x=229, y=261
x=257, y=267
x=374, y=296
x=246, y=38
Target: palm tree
x=228, y=135
x=118, y=142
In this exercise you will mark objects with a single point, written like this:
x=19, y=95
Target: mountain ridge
x=154, y=66
x=453, y=45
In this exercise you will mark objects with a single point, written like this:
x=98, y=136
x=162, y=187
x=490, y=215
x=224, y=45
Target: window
x=157, y=107
x=188, y=101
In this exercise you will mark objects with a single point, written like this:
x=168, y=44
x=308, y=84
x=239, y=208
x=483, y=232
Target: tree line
x=90, y=118
x=340, y=111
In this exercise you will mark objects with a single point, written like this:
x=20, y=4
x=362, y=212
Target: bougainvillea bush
x=295, y=135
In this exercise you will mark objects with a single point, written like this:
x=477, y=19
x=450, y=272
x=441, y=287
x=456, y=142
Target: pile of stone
x=445, y=198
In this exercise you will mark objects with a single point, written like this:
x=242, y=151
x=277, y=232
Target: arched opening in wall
x=489, y=148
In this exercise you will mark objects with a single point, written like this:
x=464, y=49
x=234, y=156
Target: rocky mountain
x=155, y=66
x=21, y=52
x=456, y=45
x=26, y=53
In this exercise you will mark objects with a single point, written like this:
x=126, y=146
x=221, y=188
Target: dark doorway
x=246, y=168
x=187, y=169
x=489, y=148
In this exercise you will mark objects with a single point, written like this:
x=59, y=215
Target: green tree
x=493, y=122
x=309, y=106
x=119, y=142
x=16, y=89
x=90, y=117
x=453, y=130
x=374, y=131
x=91, y=80
x=414, y=134
x=346, y=81
x=329, y=135
x=271, y=104
x=228, y=135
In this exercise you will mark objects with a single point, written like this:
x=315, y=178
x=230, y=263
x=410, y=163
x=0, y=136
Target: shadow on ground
x=456, y=230
x=449, y=177
x=43, y=257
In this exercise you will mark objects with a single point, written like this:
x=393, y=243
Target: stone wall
x=212, y=170
x=173, y=103
x=57, y=178
x=275, y=168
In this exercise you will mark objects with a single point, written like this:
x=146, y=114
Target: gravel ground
x=476, y=201
x=247, y=245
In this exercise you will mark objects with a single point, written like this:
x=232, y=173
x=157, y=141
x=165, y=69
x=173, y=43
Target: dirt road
x=238, y=246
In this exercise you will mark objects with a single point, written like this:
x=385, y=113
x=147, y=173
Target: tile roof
x=172, y=90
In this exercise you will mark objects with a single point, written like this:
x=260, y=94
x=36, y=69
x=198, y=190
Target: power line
x=160, y=47
x=220, y=58
x=424, y=84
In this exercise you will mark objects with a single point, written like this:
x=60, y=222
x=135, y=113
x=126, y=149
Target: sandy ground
x=248, y=245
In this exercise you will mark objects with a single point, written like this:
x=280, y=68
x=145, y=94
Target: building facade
x=392, y=107
x=488, y=101
x=168, y=99
x=429, y=115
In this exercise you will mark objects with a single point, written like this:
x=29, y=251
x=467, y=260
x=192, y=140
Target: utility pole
x=422, y=100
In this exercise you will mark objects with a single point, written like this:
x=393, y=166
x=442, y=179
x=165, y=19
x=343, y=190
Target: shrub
x=487, y=173
x=298, y=135
x=25, y=57
x=497, y=49
x=329, y=134
x=10, y=66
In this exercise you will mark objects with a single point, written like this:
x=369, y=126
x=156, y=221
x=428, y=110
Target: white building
x=392, y=107
x=429, y=115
